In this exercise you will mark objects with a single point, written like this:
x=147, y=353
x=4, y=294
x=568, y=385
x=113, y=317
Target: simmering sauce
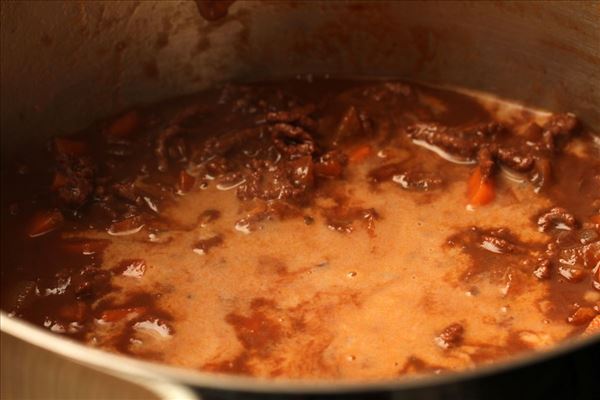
x=310, y=228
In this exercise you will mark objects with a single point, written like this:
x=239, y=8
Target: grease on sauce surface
x=313, y=228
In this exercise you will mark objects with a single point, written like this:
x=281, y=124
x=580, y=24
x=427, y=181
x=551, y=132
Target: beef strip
x=173, y=128
x=79, y=173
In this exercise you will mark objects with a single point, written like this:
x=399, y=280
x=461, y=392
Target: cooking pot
x=66, y=64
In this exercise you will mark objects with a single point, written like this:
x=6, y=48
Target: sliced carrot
x=186, y=181
x=593, y=327
x=359, y=154
x=117, y=314
x=44, y=222
x=582, y=316
x=480, y=190
x=69, y=147
x=59, y=181
x=595, y=219
x=125, y=125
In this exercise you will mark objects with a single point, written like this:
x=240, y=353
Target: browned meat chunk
x=418, y=180
x=451, y=140
x=292, y=141
x=514, y=159
x=451, y=336
x=78, y=183
x=385, y=172
x=497, y=242
x=221, y=145
x=543, y=269
x=296, y=116
x=460, y=142
x=341, y=218
x=558, y=127
x=90, y=282
x=485, y=162
x=286, y=180
x=174, y=128
x=556, y=217
x=409, y=179
x=204, y=245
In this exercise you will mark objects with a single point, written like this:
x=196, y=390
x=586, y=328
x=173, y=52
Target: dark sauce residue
x=568, y=261
x=259, y=333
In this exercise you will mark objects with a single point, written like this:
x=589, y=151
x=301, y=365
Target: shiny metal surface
x=65, y=64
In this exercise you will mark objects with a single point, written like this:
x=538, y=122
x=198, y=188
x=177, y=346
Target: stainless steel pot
x=65, y=64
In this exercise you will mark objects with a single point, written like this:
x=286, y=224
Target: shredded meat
x=543, y=269
x=79, y=174
x=514, y=159
x=525, y=153
x=418, y=180
x=459, y=142
x=286, y=180
x=342, y=217
x=554, y=218
x=451, y=140
x=90, y=282
x=451, y=336
x=204, y=245
x=385, y=172
x=126, y=191
x=296, y=116
x=559, y=126
x=485, y=162
x=409, y=179
x=292, y=141
x=221, y=145
x=174, y=128
x=496, y=240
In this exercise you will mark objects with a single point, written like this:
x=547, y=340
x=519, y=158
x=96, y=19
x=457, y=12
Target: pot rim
x=120, y=365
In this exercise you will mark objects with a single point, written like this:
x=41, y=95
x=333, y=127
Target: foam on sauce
x=378, y=271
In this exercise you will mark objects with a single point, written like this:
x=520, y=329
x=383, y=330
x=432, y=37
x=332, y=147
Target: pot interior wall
x=67, y=64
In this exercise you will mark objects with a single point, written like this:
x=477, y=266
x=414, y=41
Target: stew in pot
x=310, y=228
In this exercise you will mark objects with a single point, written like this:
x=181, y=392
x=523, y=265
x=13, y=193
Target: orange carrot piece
x=117, y=314
x=595, y=219
x=593, y=327
x=69, y=147
x=125, y=125
x=186, y=181
x=480, y=190
x=359, y=154
x=582, y=316
x=44, y=222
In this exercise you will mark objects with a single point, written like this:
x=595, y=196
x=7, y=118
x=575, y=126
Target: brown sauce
x=318, y=228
